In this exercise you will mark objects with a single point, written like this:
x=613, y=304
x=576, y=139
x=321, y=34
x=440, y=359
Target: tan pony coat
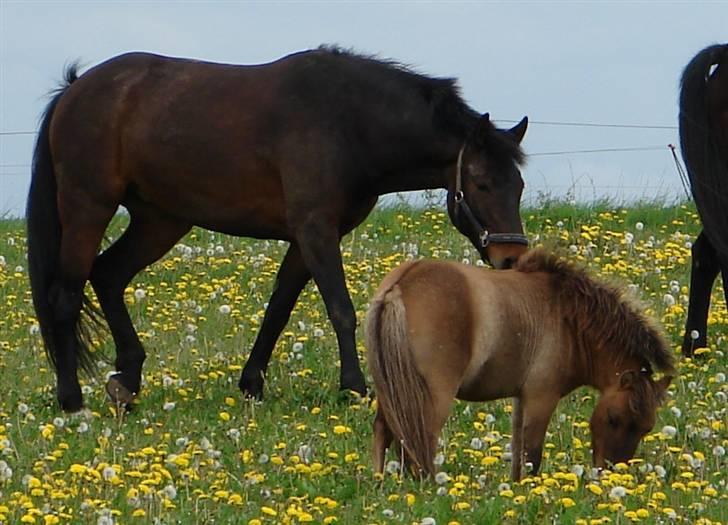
x=438, y=330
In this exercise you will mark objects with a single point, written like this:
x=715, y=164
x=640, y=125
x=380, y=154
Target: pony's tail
x=402, y=392
x=44, y=232
x=707, y=168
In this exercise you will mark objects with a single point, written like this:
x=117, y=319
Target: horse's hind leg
x=292, y=277
x=82, y=232
x=149, y=236
x=705, y=267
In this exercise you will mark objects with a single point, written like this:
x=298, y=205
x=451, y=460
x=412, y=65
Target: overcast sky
x=611, y=63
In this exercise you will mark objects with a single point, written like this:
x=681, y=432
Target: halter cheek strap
x=484, y=236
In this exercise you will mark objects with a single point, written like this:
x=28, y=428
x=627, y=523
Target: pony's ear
x=661, y=388
x=628, y=379
x=519, y=130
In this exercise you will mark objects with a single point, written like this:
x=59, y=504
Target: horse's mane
x=706, y=166
x=449, y=111
x=602, y=312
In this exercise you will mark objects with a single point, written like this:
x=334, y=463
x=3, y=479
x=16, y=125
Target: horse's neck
x=427, y=165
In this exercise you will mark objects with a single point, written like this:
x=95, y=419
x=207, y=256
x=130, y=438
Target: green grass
x=304, y=451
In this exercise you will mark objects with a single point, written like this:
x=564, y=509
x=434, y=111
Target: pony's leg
x=292, y=277
x=705, y=267
x=517, y=440
x=149, y=236
x=442, y=398
x=537, y=410
x=82, y=233
x=382, y=439
x=319, y=245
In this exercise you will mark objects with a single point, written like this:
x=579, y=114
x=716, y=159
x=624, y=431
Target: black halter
x=484, y=236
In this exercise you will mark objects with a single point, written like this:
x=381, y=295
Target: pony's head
x=485, y=194
x=624, y=414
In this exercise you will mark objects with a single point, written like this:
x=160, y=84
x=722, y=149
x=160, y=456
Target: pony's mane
x=602, y=312
x=449, y=111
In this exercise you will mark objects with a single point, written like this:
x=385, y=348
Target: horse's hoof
x=70, y=400
x=354, y=382
x=70, y=403
x=252, y=387
x=119, y=394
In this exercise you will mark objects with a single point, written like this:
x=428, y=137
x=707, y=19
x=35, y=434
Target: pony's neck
x=606, y=373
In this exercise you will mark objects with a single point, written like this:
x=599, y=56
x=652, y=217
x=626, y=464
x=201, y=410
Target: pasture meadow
x=194, y=451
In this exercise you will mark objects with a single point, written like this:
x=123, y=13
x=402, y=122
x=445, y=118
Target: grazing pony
x=438, y=330
x=704, y=145
x=298, y=149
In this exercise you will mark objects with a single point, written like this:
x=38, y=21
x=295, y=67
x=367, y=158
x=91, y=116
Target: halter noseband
x=484, y=236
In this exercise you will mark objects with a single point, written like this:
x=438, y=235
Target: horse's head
x=624, y=414
x=485, y=193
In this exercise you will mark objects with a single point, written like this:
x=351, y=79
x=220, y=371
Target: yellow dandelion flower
x=269, y=511
x=595, y=489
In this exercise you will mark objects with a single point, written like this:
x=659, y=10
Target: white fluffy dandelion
x=392, y=467
x=441, y=478
x=669, y=431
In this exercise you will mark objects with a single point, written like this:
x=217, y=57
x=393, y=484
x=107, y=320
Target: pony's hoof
x=119, y=394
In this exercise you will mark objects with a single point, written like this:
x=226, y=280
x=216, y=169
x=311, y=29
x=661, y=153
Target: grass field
x=193, y=451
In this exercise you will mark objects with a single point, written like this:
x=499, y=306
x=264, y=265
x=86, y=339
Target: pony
x=440, y=330
x=298, y=150
x=704, y=146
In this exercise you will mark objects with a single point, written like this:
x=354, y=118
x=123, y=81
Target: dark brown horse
x=704, y=144
x=298, y=150
x=437, y=330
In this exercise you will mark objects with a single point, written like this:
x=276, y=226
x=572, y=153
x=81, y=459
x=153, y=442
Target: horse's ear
x=519, y=130
x=661, y=387
x=627, y=379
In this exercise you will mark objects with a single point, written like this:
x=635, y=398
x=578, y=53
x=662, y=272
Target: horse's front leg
x=318, y=241
x=705, y=267
x=536, y=413
x=292, y=277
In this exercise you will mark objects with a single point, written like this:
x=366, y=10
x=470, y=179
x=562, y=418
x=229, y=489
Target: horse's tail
x=707, y=168
x=44, y=231
x=402, y=392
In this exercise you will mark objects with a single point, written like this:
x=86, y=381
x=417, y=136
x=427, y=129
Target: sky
x=613, y=63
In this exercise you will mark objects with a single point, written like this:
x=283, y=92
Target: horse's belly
x=226, y=205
